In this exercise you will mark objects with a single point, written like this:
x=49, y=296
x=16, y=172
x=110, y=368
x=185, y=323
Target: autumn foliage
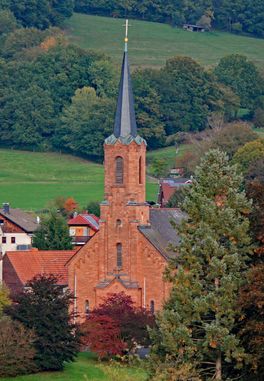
x=116, y=325
x=101, y=334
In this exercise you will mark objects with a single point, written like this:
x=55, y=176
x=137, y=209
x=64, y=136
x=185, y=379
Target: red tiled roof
x=168, y=191
x=27, y=264
x=85, y=220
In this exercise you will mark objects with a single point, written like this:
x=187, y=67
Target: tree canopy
x=53, y=233
x=44, y=307
x=238, y=16
x=196, y=329
x=39, y=13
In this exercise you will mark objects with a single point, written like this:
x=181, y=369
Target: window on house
x=13, y=239
x=152, y=306
x=3, y=239
x=87, y=307
x=119, y=255
x=119, y=174
x=140, y=170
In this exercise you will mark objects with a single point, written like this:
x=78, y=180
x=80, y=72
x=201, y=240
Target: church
x=133, y=244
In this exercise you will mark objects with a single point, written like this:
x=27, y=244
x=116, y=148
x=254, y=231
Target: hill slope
x=29, y=180
x=151, y=43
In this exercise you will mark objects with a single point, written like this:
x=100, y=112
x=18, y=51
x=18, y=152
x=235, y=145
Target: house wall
x=10, y=277
x=20, y=239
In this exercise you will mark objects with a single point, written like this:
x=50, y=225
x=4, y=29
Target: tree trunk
x=218, y=363
x=218, y=367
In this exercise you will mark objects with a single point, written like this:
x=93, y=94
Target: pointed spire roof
x=125, y=128
x=125, y=120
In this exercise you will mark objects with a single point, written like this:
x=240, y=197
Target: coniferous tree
x=53, y=234
x=44, y=307
x=196, y=327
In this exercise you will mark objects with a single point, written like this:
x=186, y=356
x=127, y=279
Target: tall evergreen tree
x=53, y=234
x=196, y=328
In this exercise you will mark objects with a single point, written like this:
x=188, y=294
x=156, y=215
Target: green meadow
x=150, y=44
x=29, y=180
x=86, y=368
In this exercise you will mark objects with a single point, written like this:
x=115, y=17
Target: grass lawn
x=87, y=368
x=171, y=154
x=29, y=180
x=150, y=44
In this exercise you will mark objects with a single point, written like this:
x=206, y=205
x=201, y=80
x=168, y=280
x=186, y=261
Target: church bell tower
x=124, y=207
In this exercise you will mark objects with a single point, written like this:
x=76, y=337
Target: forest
x=238, y=16
x=55, y=96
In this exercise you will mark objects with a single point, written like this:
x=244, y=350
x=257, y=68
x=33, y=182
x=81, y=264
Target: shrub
x=101, y=334
x=16, y=348
x=44, y=307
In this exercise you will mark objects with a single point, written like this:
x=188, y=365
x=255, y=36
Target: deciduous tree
x=237, y=72
x=86, y=122
x=4, y=298
x=16, y=348
x=249, y=153
x=101, y=334
x=131, y=320
x=44, y=307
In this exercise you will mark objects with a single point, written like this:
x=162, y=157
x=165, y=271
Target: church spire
x=125, y=120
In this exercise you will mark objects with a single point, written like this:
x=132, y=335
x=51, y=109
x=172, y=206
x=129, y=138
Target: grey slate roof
x=24, y=220
x=125, y=120
x=161, y=233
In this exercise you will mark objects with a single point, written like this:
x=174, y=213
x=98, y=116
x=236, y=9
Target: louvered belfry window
x=119, y=260
x=119, y=170
x=140, y=170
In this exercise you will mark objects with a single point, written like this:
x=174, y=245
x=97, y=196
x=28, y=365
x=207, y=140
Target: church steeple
x=125, y=151
x=125, y=120
x=125, y=127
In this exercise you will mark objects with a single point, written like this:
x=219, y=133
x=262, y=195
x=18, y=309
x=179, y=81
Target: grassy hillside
x=29, y=180
x=86, y=368
x=150, y=44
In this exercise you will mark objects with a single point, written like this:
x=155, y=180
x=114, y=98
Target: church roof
x=125, y=127
x=125, y=120
x=160, y=233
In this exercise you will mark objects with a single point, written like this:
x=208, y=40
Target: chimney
x=6, y=209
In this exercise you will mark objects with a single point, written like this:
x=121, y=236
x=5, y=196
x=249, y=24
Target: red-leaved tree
x=101, y=334
x=133, y=321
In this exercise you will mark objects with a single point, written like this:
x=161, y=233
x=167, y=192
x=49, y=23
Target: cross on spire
x=126, y=25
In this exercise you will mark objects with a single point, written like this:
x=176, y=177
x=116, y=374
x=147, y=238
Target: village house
x=82, y=227
x=16, y=231
x=167, y=188
x=21, y=266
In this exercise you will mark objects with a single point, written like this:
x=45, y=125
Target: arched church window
x=152, y=306
x=119, y=259
x=118, y=223
x=119, y=170
x=140, y=171
x=87, y=307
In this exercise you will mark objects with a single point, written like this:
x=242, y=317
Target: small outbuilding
x=194, y=28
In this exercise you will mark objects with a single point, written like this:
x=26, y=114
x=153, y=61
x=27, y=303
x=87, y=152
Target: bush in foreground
x=44, y=307
x=16, y=348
